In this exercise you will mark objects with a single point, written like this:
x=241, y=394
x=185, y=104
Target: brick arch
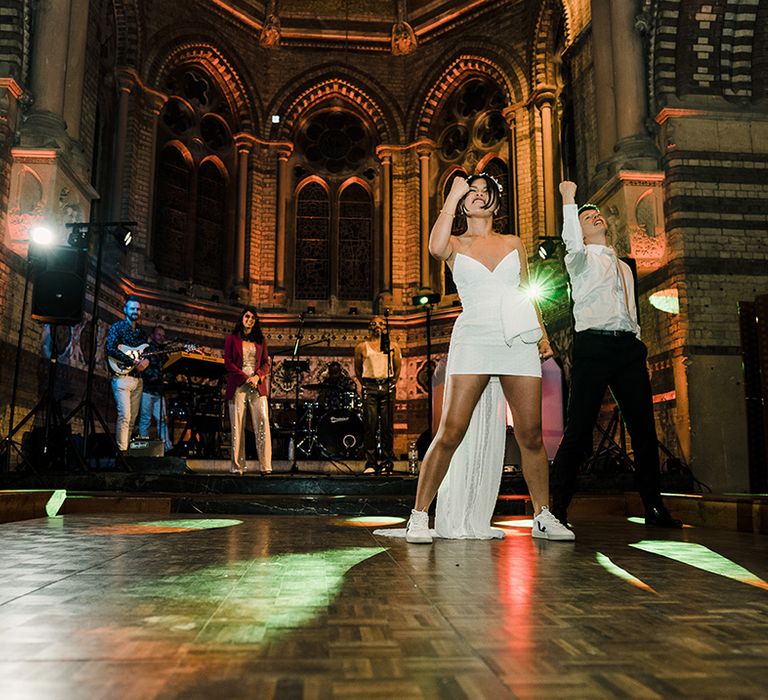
x=503, y=70
x=359, y=92
x=195, y=51
x=128, y=29
x=542, y=67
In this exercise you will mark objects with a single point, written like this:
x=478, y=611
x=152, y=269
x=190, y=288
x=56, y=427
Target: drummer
x=337, y=390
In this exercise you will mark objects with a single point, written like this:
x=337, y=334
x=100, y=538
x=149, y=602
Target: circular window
x=177, y=116
x=335, y=141
x=215, y=132
x=454, y=142
x=490, y=129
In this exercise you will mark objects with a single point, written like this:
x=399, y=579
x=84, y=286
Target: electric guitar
x=138, y=353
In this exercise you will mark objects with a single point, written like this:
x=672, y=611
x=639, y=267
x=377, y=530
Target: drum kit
x=324, y=428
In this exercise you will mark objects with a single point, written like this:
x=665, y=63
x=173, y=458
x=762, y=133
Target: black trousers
x=618, y=363
x=378, y=405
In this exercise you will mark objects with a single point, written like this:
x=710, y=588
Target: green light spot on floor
x=623, y=574
x=55, y=502
x=701, y=557
x=267, y=597
x=203, y=524
x=636, y=520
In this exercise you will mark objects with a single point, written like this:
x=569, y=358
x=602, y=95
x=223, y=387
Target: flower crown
x=495, y=181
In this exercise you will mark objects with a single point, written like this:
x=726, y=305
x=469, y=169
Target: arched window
x=313, y=228
x=194, y=202
x=210, y=233
x=335, y=213
x=355, y=243
x=174, y=178
x=472, y=137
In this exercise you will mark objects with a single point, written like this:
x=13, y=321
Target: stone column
x=283, y=186
x=602, y=54
x=244, y=147
x=424, y=152
x=385, y=155
x=156, y=102
x=75, y=66
x=544, y=101
x=628, y=71
x=49, y=67
x=509, y=117
x=126, y=83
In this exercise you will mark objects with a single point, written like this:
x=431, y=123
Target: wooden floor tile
x=302, y=607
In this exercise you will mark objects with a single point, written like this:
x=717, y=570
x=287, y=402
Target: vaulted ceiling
x=358, y=23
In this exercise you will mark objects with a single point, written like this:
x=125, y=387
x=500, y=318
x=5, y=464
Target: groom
x=607, y=353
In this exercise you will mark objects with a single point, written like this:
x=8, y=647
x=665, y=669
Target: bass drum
x=340, y=432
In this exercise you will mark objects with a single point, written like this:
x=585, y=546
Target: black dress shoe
x=658, y=516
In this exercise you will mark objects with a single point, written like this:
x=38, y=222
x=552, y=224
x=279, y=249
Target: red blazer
x=233, y=363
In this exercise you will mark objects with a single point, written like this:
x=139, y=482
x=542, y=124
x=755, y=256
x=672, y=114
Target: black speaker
x=58, y=277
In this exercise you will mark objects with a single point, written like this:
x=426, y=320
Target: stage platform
x=318, y=607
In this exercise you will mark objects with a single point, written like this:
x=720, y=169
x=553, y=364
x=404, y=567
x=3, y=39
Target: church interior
x=292, y=157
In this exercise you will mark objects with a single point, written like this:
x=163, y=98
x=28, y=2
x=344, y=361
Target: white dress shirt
x=602, y=285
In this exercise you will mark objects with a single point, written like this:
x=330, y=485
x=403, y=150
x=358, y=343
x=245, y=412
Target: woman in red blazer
x=247, y=364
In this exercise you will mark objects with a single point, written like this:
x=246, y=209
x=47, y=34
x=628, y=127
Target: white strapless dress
x=496, y=334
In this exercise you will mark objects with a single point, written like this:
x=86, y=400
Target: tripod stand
x=299, y=366
x=47, y=404
x=86, y=404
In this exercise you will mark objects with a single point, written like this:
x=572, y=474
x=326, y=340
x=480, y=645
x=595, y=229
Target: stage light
x=42, y=235
x=425, y=299
x=547, y=247
x=78, y=235
x=275, y=118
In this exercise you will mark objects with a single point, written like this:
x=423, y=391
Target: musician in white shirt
x=607, y=353
x=127, y=387
x=377, y=366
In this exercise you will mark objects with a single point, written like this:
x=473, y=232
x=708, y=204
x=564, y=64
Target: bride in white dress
x=496, y=349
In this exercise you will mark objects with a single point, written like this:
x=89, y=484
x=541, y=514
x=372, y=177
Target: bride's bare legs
x=523, y=395
x=462, y=392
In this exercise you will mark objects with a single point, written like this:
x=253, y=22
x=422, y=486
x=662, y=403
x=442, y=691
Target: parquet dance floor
x=310, y=607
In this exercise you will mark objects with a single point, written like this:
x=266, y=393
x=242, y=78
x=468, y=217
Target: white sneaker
x=417, y=530
x=548, y=527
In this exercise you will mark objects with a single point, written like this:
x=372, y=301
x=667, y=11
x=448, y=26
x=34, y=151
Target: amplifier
x=146, y=448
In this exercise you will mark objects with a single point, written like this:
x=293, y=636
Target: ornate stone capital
x=545, y=95
x=125, y=78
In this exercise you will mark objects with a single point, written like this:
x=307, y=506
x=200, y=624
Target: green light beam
x=623, y=574
x=701, y=557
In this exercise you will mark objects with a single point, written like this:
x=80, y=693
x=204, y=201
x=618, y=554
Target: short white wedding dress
x=495, y=334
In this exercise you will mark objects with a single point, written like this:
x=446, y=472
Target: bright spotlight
x=42, y=235
x=535, y=291
x=425, y=299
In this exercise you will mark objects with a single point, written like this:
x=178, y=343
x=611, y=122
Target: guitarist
x=127, y=388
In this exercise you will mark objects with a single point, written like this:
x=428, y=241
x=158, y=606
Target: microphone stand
x=295, y=359
x=388, y=463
